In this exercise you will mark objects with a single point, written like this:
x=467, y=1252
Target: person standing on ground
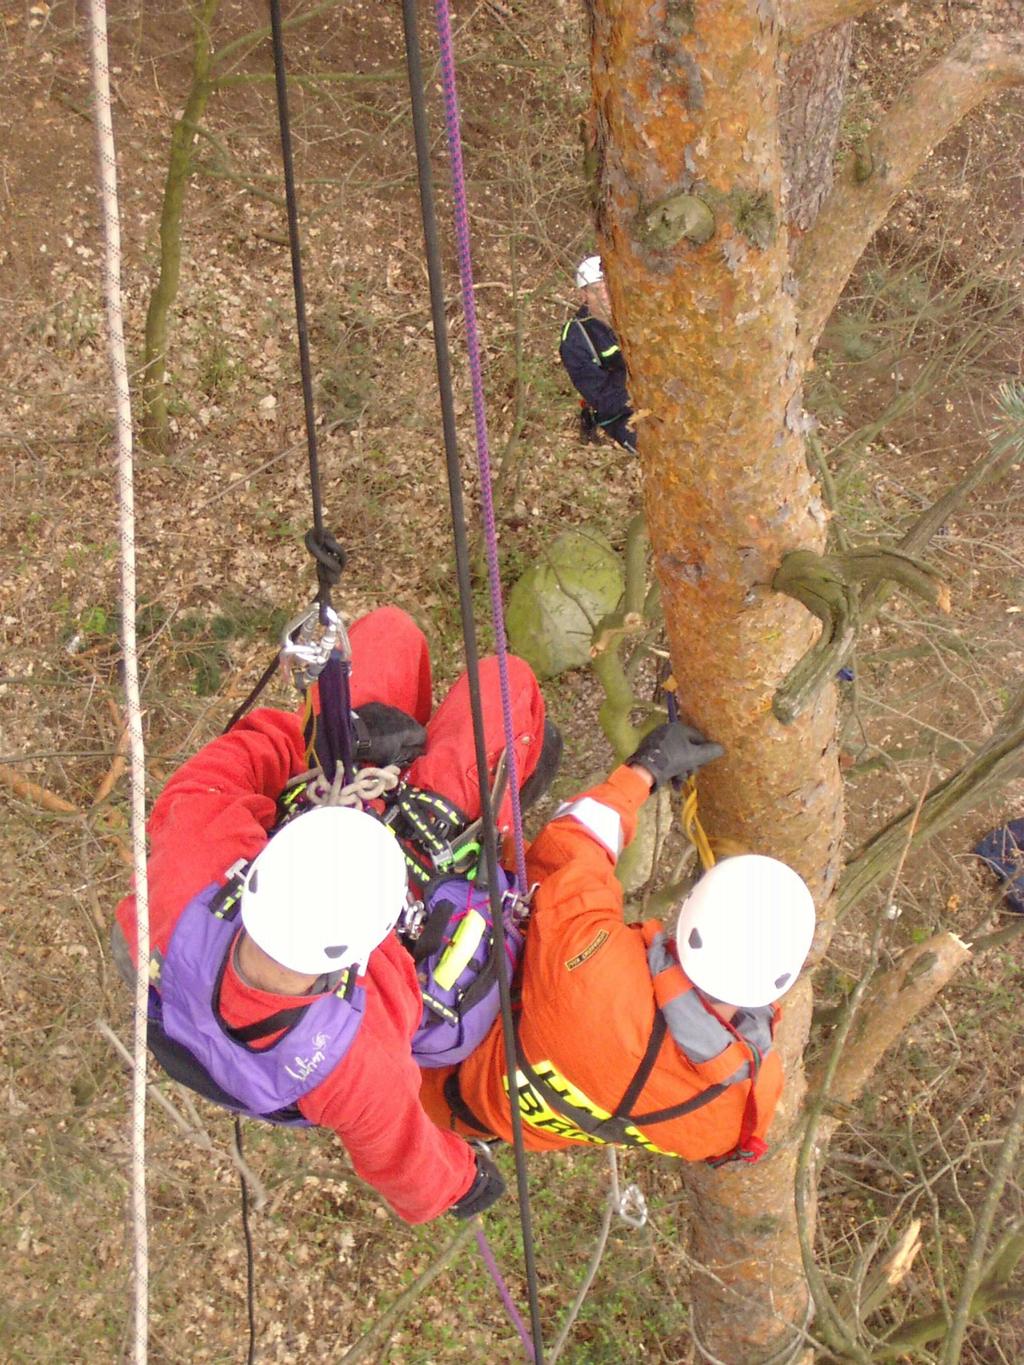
x=591, y=354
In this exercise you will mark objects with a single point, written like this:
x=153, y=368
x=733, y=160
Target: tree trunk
x=691, y=185
x=717, y=329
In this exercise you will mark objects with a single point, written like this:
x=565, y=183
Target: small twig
x=117, y=764
x=193, y=1131
x=387, y=1320
x=975, y=1258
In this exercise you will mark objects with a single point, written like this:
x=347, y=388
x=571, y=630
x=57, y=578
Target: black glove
x=674, y=750
x=487, y=1188
x=384, y=735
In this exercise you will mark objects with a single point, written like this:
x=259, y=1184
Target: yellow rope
x=692, y=827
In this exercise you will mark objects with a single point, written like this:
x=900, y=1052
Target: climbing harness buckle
x=308, y=641
x=632, y=1206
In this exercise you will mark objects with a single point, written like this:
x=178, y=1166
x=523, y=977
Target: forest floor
x=904, y=392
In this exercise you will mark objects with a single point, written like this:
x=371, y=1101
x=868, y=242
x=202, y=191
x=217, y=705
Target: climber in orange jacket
x=628, y=1033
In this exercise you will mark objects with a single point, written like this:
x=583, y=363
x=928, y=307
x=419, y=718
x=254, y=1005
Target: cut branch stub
x=825, y=584
x=679, y=216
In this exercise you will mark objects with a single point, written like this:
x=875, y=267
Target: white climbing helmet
x=589, y=271
x=325, y=891
x=745, y=929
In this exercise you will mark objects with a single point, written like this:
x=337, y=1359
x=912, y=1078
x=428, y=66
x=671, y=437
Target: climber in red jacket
x=279, y=988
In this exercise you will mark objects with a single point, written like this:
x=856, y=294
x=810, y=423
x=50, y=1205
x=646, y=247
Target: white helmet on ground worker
x=745, y=929
x=589, y=271
x=325, y=891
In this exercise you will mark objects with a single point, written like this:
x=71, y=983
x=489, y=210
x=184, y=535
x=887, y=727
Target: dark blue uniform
x=591, y=355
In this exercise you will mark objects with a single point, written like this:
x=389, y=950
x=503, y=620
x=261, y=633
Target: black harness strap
x=636, y=1085
x=611, y=1129
x=263, y=1028
x=460, y=1109
x=677, y=1111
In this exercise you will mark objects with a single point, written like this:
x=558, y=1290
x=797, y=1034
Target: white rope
x=631, y=1207
x=126, y=495
x=368, y=785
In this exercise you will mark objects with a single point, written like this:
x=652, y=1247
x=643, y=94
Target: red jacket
x=589, y=1003
x=218, y=808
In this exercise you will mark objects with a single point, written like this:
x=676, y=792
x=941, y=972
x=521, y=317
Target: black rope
x=462, y=568
x=250, y=1261
x=329, y=556
x=245, y=706
x=323, y=545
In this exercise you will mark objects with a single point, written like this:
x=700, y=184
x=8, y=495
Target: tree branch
x=892, y=1000
x=804, y=19
x=825, y=584
x=976, y=67
x=995, y=763
x=1007, y=451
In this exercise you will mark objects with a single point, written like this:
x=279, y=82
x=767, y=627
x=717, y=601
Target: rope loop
x=369, y=785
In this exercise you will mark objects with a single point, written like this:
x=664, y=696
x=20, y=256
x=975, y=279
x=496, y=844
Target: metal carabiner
x=632, y=1207
x=308, y=641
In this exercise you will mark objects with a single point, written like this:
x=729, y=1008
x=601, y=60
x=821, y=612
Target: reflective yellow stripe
x=464, y=944
x=610, y=351
x=538, y=1114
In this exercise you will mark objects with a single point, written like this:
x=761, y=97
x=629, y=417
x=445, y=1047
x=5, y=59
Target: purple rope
x=483, y=453
x=506, y=1298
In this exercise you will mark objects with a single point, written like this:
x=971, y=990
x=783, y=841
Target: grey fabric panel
x=695, y=1030
x=756, y=1026
x=700, y=1035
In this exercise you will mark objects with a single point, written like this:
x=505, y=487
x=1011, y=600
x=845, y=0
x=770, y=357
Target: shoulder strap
x=587, y=337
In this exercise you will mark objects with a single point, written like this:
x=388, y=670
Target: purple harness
x=456, y=965
x=261, y=1082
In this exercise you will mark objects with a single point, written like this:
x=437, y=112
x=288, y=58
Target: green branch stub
x=827, y=586
x=679, y=216
x=754, y=216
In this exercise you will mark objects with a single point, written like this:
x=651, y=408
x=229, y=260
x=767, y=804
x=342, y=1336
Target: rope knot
x=329, y=555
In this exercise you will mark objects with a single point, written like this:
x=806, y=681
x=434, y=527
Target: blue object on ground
x=1003, y=850
x=845, y=674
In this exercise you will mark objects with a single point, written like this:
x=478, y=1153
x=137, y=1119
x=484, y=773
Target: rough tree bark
x=691, y=224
